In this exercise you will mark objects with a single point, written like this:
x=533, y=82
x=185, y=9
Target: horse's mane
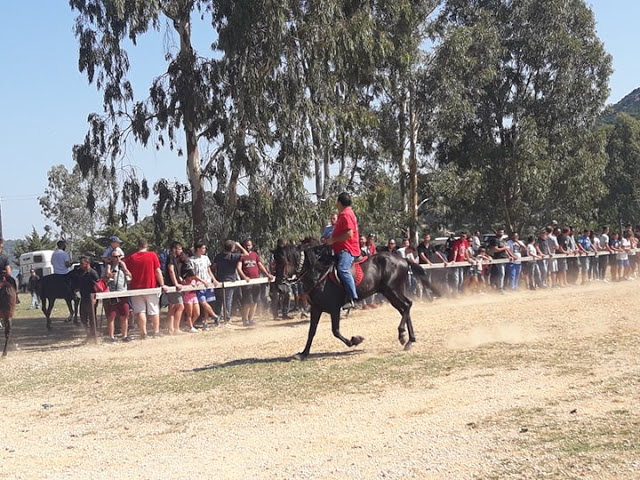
x=308, y=242
x=319, y=257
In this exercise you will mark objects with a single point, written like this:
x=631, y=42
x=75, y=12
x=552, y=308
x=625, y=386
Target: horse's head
x=73, y=277
x=289, y=260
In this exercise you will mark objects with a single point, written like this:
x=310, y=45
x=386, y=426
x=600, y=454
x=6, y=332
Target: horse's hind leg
x=403, y=305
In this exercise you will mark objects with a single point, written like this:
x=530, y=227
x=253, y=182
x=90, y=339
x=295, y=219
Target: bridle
x=303, y=273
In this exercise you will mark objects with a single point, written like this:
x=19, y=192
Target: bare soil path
x=525, y=385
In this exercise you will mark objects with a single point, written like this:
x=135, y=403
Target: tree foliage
x=33, y=243
x=622, y=202
x=491, y=104
x=521, y=84
x=77, y=205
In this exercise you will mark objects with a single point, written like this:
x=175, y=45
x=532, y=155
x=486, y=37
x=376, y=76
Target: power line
x=10, y=198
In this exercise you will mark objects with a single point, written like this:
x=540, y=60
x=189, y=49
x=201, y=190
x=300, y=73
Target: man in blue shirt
x=60, y=260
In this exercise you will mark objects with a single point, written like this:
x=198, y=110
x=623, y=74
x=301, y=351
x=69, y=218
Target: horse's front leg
x=69, y=303
x=72, y=304
x=47, y=307
x=7, y=332
x=335, y=329
x=313, y=327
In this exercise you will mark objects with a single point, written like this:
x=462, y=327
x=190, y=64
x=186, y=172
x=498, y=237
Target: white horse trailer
x=39, y=261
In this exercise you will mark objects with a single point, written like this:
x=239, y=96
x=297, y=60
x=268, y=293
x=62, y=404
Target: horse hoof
x=357, y=340
x=299, y=357
x=402, y=339
x=408, y=346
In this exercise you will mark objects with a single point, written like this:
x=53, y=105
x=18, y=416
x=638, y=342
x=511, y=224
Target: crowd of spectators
x=555, y=257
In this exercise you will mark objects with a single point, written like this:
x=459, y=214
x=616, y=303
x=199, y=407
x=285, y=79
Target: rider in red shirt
x=346, y=245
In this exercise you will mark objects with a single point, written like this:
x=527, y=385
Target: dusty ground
x=538, y=384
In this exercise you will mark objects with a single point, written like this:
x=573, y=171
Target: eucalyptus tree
x=622, y=201
x=403, y=112
x=519, y=88
x=182, y=98
x=269, y=96
x=77, y=206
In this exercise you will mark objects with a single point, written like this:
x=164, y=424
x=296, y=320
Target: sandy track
x=455, y=425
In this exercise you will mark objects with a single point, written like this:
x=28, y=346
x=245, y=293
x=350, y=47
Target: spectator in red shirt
x=371, y=244
x=251, y=267
x=459, y=253
x=145, y=273
x=346, y=246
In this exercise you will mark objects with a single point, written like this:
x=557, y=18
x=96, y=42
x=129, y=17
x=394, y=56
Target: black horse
x=60, y=286
x=7, y=309
x=384, y=273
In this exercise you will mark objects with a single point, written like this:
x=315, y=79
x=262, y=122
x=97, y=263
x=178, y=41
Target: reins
x=303, y=273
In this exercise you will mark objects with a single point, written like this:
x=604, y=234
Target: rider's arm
x=346, y=235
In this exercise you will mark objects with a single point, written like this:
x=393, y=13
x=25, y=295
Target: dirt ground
x=523, y=385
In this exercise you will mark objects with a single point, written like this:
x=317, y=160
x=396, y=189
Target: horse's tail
x=420, y=272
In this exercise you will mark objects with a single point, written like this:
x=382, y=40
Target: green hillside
x=629, y=105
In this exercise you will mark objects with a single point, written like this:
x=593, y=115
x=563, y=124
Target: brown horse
x=7, y=309
x=384, y=273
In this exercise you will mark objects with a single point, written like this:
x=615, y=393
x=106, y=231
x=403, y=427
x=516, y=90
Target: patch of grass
x=578, y=444
x=65, y=377
x=22, y=309
x=259, y=384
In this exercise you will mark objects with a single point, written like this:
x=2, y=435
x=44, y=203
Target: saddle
x=356, y=272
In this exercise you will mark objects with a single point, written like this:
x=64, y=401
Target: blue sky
x=45, y=100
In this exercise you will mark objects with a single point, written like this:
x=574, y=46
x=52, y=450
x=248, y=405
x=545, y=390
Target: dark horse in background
x=60, y=286
x=383, y=273
x=7, y=309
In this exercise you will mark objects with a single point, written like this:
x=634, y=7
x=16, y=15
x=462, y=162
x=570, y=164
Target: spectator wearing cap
x=117, y=276
x=114, y=243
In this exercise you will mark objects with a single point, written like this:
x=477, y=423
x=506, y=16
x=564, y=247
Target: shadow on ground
x=31, y=334
x=256, y=361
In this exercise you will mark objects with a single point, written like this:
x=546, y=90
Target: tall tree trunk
x=413, y=167
x=182, y=24
x=401, y=159
x=194, y=174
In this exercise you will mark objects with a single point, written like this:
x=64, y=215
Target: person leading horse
x=5, y=269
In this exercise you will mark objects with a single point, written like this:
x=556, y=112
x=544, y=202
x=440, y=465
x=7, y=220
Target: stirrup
x=349, y=305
